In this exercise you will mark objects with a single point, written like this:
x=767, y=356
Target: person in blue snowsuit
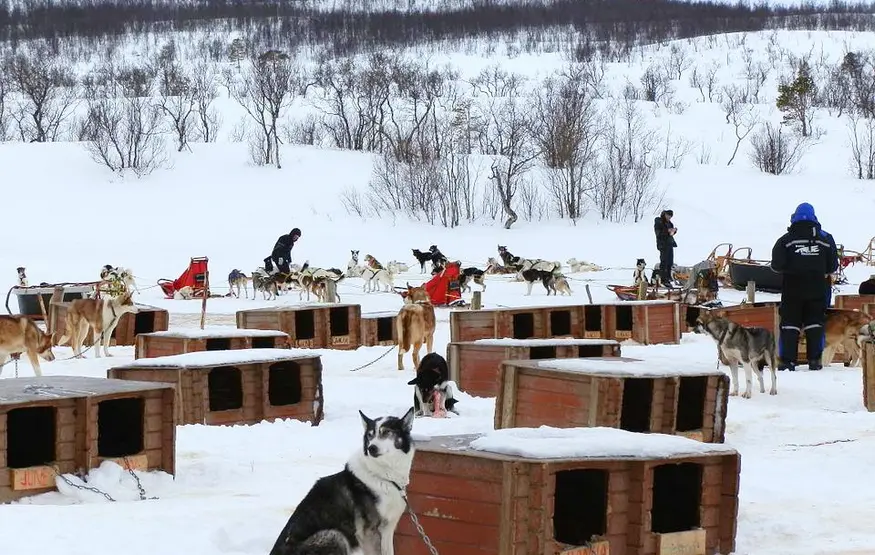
x=805, y=256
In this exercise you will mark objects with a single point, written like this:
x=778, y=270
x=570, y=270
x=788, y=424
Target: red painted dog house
x=625, y=393
x=553, y=491
x=475, y=365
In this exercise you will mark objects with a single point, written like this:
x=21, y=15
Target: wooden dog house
x=213, y=338
x=624, y=393
x=378, y=329
x=763, y=315
x=645, y=322
x=243, y=386
x=580, y=491
x=147, y=319
x=852, y=302
x=475, y=365
x=64, y=424
x=868, y=357
x=310, y=326
x=538, y=322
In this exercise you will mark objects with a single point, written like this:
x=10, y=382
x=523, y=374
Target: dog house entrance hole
x=691, y=403
x=30, y=437
x=592, y=318
x=523, y=325
x=120, y=427
x=544, y=351
x=225, y=385
x=219, y=344
x=587, y=351
x=144, y=322
x=384, y=328
x=560, y=323
x=305, y=324
x=677, y=496
x=637, y=401
x=580, y=506
x=338, y=321
x=692, y=315
x=263, y=343
x=624, y=318
x=284, y=384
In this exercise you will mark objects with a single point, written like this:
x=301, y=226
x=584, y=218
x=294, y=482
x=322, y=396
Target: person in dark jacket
x=665, y=244
x=282, y=252
x=867, y=287
x=805, y=257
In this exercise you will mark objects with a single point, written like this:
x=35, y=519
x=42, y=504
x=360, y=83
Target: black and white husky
x=433, y=394
x=356, y=510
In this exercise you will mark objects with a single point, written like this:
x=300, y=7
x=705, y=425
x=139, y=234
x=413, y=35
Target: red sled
x=195, y=277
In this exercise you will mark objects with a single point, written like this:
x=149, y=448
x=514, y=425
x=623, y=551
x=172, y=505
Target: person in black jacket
x=867, y=287
x=805, y=257
x=282, y=252
x=665, y=244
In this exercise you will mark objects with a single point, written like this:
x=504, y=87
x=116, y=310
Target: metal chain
x=81, y=487
x=415, y=520
x=93, y=489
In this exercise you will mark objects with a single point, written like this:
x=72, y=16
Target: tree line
x=354, y=28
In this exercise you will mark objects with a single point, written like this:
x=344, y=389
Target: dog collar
x=399, y=488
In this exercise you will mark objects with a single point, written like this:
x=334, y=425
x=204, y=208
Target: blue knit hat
x=804, y=213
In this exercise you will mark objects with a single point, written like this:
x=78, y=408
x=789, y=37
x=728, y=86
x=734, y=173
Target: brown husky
x=415, y=325
x=101, y=316
x=842, y=329
x=18, y=334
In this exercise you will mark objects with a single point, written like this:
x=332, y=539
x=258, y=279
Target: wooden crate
x=378, y=329
x=147, y=319
x=213, y=338
x=645, y=322
x=763, y=315
x=310, y=326
x=533, y=322
x=244, y=386
x=868, y=358
x=688, y=315
x=619, y=392
x=475, y=365
x=852, y=302
x=68, y=424
x=525, y=491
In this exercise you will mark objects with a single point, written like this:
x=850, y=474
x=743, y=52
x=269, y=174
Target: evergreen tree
x=795, y=99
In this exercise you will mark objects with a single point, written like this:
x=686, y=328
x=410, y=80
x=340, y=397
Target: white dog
x=583, y=266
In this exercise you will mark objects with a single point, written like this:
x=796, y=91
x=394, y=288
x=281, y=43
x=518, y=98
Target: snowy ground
x=802, y=451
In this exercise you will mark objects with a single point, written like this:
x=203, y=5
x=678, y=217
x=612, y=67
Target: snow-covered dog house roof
x=616, y=392
x=211, y=338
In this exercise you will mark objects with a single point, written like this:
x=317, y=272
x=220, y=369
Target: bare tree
x=123, y=134
x=177, y=102
x=264, y=91
x=654, y=84
x=566, y=133
x=624, y=178
x=734, y=99
x=861, y=139
x=776, y=152
x=743, y=120
x=205, y=90
x=505, y=134
x=46, y=95
x=4, y=105
x=353, y=99
x=413, y=101
x=705, y=81
x=677, y=62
